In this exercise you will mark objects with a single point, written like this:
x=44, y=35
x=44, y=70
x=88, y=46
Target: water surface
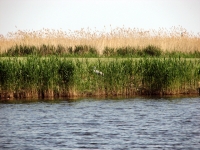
x=134, y=123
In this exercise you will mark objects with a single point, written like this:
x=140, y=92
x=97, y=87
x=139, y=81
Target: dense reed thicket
x=60, y=77
x=118, y=41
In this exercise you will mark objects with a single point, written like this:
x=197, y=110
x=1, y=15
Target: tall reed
x=173, y=75
x=59, y=77
x=173, y=39
x=35, y=76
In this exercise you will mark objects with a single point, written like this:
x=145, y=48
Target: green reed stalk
x=55, y=77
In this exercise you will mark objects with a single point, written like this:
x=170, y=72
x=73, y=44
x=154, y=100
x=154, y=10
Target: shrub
x=108, y=51
x=152, y=50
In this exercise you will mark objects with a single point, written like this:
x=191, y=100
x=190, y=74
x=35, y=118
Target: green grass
x=62, y=76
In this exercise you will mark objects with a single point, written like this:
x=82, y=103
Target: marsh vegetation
x=49, y=63
x=61, y=77
x=121, y=42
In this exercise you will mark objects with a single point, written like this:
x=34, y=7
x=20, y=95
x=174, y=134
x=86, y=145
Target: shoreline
x=51, y=95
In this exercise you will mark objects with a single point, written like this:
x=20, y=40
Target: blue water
x=134, y=123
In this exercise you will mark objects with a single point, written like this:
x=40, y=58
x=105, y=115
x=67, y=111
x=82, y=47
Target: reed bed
x=120, y=40
x=62, y=77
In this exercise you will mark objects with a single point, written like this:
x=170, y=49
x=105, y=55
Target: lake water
x=133, y=123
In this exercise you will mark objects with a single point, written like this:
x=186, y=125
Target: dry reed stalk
x=177, y=38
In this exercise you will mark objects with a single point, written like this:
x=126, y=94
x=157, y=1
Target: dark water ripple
x=102, y=124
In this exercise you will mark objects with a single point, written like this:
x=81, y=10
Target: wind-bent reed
x=60, y=77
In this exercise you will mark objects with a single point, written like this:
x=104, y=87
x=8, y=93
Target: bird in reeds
x=98, y=72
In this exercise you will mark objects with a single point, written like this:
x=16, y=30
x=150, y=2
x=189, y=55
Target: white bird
x=98, y=72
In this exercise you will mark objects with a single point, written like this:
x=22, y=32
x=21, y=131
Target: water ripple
x=102, y=124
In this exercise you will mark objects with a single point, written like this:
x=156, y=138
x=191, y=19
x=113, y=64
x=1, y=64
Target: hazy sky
x=76, y=14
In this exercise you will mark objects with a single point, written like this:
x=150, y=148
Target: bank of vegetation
x=124, y=61
x=118, y=42
x=47, y=77
x=89, y=51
